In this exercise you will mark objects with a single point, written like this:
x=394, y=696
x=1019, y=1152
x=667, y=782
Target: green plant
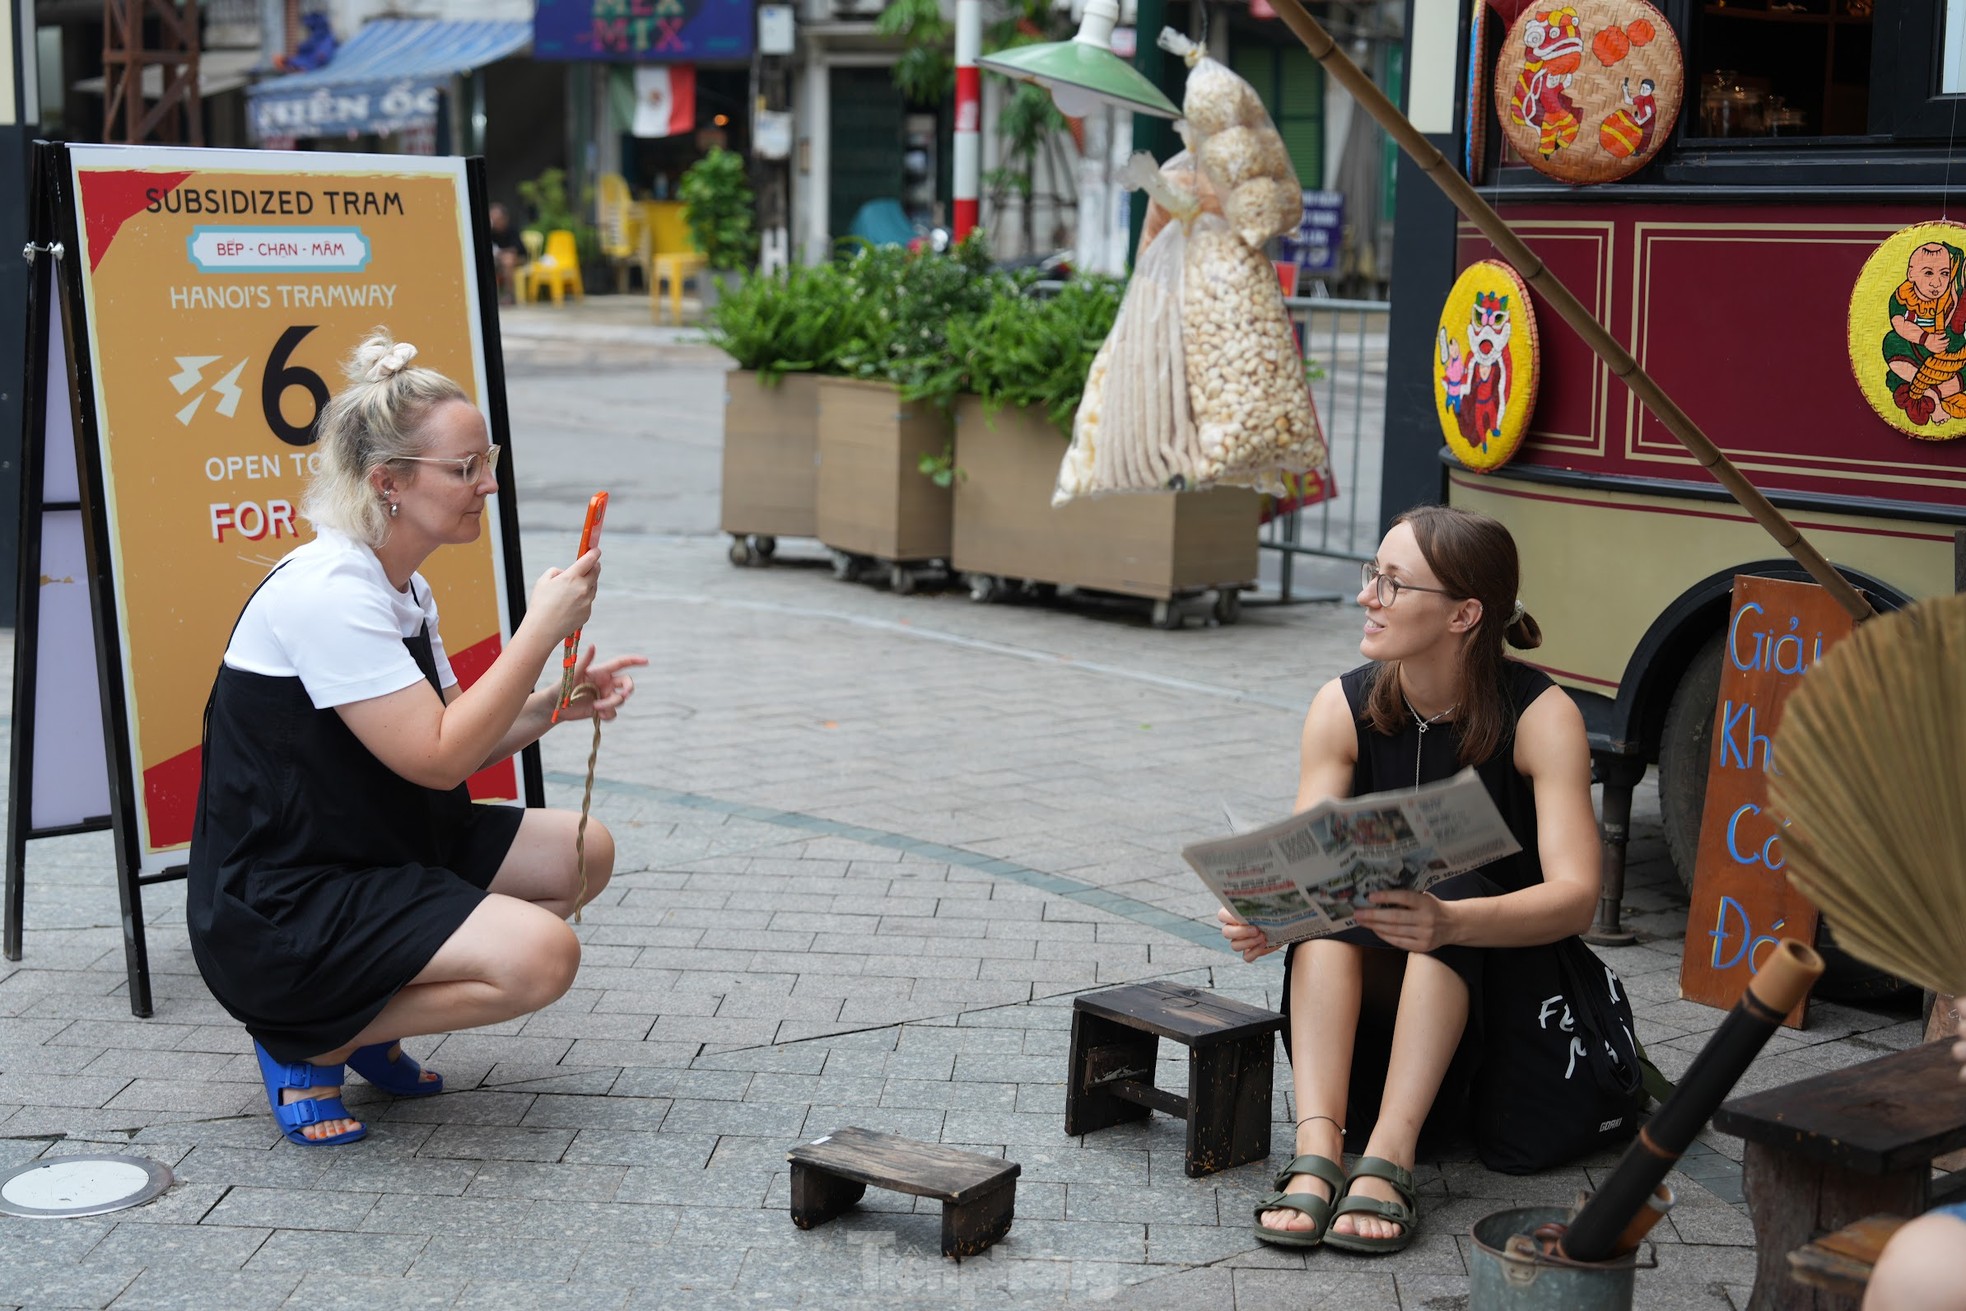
x=1025, y=349
x=720, y=210
x=905, y=305
x=941, y=469
x=546, y=196
x=926, y=71
x=790, y=322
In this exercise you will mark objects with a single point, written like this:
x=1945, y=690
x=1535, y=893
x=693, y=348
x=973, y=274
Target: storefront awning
x=387, y=78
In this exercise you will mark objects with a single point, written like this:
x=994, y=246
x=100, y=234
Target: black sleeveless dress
x=1385, y=764
x=320, y=880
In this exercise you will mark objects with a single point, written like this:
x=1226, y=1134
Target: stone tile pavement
x=871, y=846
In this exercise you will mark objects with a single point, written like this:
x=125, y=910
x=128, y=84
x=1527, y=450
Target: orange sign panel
x=1742, y=902
x=222, y=290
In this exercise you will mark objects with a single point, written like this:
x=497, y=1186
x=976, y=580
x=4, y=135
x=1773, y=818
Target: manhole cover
x=80, y=1185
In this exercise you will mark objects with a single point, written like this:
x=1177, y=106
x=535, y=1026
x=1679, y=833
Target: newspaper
x=1306, y=876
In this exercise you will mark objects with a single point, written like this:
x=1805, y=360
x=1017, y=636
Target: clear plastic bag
x=1253, y=413
x=1186, y=178
x=1238, y=147
x=1135, y=429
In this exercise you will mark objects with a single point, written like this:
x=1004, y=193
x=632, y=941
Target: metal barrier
x=1345, y=344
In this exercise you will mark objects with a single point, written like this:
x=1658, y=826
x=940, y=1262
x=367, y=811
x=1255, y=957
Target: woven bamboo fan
x=1872, y=761
x=1587, y=91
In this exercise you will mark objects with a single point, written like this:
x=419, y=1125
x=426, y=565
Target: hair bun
x=392, y=362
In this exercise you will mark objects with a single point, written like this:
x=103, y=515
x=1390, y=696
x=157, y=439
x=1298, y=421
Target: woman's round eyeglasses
x=468, y=466
x=1388, y=588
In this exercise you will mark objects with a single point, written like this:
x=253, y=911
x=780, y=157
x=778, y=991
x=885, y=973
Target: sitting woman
x=344, y=891
x=1438, y=695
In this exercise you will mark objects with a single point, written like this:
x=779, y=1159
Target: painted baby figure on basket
x=1385, y=1023
x=1926, y=347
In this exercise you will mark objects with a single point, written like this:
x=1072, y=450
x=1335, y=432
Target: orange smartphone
x=590, y=537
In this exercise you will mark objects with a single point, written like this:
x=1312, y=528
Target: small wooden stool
x=978, y=1193
x=1830, y=1150
x=1116, y=1039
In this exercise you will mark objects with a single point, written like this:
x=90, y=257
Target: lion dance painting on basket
x=1475, y=376
x=1926, y=347
x=1554, y=45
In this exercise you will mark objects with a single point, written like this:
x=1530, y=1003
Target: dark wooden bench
x=978, y=1193
x=1827, y=1152
x=1231, y=1052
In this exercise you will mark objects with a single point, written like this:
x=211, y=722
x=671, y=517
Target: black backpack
x=1561, y=1074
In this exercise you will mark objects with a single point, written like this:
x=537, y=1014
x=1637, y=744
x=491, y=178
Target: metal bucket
x=1510, y=1272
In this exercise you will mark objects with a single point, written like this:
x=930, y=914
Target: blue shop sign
x=1320, y=235
x=644, y=31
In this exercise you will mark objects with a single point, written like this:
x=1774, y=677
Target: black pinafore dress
x=320, y=880
x=1385, y=764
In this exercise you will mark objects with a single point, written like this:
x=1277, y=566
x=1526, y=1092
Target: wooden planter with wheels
x=1188, y=552
x=771, y=454
x=875, y=508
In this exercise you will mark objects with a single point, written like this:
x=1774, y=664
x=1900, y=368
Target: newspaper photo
x=1306, y=876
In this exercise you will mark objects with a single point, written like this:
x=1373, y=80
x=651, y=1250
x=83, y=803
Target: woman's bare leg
x=540, y=866
x=1433, y=1012
x=1923, y=1268
x=1327, y=982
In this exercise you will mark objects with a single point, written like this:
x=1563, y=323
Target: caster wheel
x=741, y=553
x=1166, y=616
x=1228, y=606
x=846, y=567
x=765, y=545
x=984, y=588
x=901, y=580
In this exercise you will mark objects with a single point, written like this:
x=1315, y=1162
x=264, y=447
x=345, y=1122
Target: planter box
x=770, y=456
x=873, y=499
x=1151, y=544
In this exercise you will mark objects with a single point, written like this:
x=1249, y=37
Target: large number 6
x=279, y=376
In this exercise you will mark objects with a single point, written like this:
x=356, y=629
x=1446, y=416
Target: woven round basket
x=1486, y=362
x=1587, y=91
x=1908, y=330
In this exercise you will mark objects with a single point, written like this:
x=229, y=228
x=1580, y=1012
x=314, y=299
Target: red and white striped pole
x=967, y=170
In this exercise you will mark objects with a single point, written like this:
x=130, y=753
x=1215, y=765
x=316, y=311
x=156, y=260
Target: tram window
x=1952, y=75
x=1783, y=68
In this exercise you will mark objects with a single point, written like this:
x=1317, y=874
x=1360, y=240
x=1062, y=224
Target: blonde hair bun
x=379, y=358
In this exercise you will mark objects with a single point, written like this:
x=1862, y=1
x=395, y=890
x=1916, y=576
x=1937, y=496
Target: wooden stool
x=1116, y=1039
x=978, y=1193
x=1830, y=1150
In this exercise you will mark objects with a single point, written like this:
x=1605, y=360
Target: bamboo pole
x=1568, y=307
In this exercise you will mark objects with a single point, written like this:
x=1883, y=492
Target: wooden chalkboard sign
x=1742, y=902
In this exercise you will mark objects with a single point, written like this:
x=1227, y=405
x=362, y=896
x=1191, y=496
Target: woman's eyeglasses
x=468, y=466
x=1388, y=588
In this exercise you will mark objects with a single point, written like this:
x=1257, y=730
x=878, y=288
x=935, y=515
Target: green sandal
x=1404, y=1213
x=1322, y=1168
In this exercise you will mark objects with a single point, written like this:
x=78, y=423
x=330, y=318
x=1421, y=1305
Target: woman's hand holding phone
x=590, y=543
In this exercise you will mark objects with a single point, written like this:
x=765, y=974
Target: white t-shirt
x=330, y=618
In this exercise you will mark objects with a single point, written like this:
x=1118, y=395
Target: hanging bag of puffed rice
x=1237, y=146
x=1135, y=429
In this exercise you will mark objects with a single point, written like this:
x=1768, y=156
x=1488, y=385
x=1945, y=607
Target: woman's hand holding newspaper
x=1411, y=921
x=1247, y=939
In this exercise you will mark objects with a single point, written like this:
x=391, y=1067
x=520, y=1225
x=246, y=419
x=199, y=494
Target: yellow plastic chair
x=670, y=257
x=620, y=224
x=557, y=268
x=535, y=243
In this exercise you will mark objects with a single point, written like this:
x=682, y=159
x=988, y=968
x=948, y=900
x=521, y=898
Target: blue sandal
x=401, y=1077
x=294, y=1116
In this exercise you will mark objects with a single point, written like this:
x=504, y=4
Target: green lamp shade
x=1085, y=72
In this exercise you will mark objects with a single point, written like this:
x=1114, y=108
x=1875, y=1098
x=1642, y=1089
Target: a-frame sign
x=188, y=311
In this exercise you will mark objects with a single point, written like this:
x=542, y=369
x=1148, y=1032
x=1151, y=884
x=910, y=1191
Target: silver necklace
x=1423, y=724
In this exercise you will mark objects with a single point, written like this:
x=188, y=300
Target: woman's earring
x=392, y=509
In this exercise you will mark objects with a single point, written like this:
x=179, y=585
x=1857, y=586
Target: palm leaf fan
x=1871, y=778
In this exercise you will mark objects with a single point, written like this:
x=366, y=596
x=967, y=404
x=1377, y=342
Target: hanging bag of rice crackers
x=1134, y=430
